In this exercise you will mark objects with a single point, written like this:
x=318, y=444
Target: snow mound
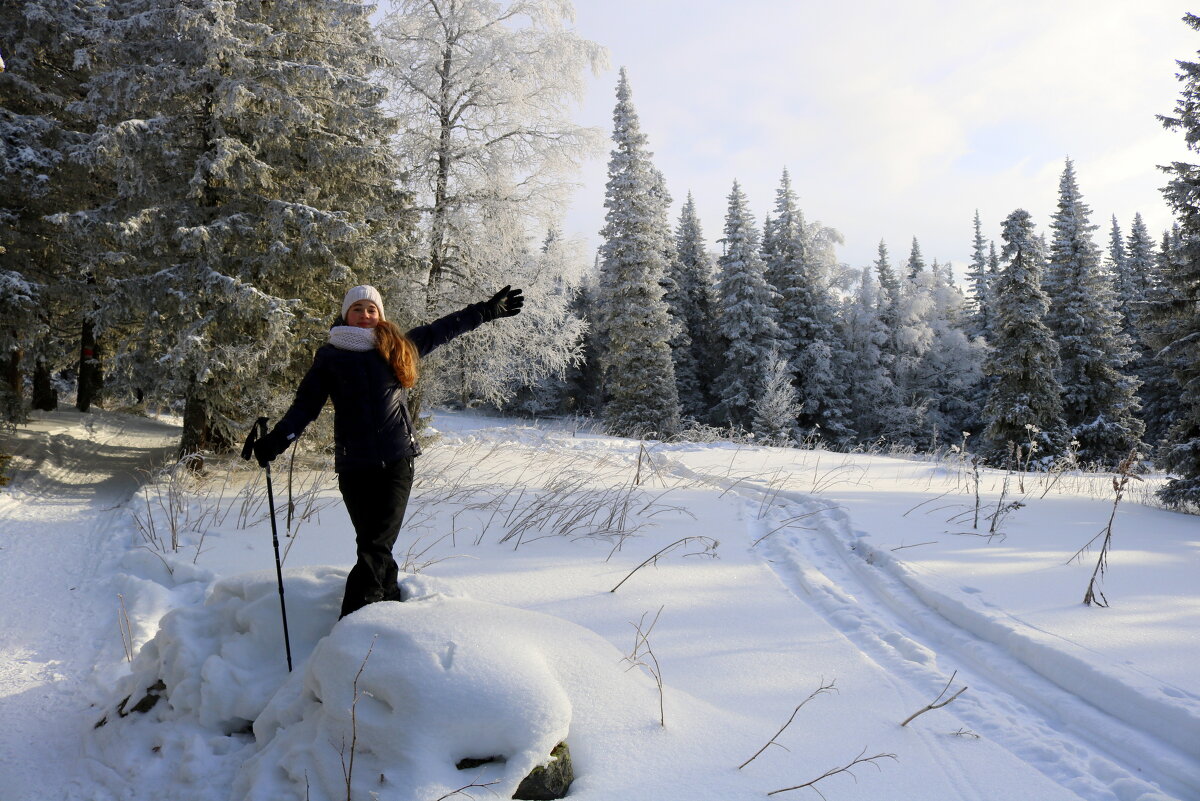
x=442, y=679
x=409, y=688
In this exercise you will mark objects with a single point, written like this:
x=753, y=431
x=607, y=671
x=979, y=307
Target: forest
x=189, y=186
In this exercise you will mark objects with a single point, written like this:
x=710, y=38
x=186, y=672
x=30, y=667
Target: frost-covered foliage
x=952, y=366
x=483, y=91
x=1099, y=401
x=935, y=365
x=43, y=46
x=798, y=259
x=916, y=262
x=1024, y=397
x=1177, y=307
x=745, y=317
x=641, y=396
x=776, y=410
x=872, y=391
x=520, y=359
x=253, y=183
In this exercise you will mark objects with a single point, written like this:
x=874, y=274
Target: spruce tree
x=1024, y=399
x=805, y=314
x=889, y=311
x=746, y=316
x=1099, y=398
x=255, y=183
x=916, y=262
x=1176, y=309
x=872, y=392
x=641, y=395
x=1159, y=391
x=693, y=274
x=978, y=309
x=41, y=80
x=889, y=293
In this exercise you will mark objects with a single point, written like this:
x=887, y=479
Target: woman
x=366, y=368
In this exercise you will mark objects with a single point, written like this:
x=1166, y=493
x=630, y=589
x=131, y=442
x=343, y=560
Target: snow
x=858, y=572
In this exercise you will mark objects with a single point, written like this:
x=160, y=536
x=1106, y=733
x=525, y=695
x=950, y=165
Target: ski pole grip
x=257, y=430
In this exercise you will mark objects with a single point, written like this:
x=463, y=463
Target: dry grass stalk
x=824, y=688
x=847, y=768
x=710, y=547
x=641, y=652
x=934, y=703
x=1120, y=482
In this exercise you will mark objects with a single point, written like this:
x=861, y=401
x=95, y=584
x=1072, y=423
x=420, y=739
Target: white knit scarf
x=349, y=337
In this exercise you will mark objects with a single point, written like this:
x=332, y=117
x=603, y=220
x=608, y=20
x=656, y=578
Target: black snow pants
x=375, y=499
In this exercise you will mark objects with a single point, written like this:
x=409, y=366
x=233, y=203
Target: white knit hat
x=363, y=292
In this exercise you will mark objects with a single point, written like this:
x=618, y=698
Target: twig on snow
x=934, y=703
x=824, y=688
x=847, y=768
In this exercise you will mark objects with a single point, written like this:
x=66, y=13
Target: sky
x=894, y=120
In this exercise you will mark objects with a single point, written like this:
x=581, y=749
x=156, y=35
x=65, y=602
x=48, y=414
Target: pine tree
x=1099, y=398
x=1176, y=310
x=642, y=399
x=693, y=273
x=254, y=183
x=1024, y=401
x=745, y=317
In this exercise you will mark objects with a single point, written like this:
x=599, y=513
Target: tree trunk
x=91, y=378
x=199, y=433
x=44, y=395
x=13, y=394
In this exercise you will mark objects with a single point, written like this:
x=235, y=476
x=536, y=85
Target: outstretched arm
x=505, y=303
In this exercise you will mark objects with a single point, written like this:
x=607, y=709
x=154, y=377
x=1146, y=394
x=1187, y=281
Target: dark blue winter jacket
x=371, y=423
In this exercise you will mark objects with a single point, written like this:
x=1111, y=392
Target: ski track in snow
x=66, y=497
x=920, y=636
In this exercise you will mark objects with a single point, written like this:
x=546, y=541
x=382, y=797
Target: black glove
x=268, y=446
x=505, y=303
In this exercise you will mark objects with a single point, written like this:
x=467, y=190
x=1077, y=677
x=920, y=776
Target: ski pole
x=260, y=429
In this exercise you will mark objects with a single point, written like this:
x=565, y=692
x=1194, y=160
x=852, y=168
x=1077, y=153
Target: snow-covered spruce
x=639, y=374
x=1099, y=404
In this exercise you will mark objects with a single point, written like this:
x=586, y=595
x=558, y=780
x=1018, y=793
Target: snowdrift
x=389, y=699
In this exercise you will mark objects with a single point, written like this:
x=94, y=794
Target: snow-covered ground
x=779, y=572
